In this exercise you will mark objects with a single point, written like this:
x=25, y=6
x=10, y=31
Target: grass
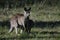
x=38, y=13
x=36, y=34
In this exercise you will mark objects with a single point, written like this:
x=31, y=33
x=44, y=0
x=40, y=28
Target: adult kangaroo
x=19, y=19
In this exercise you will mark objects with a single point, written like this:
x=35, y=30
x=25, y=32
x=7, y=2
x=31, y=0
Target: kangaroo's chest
x=20, y=20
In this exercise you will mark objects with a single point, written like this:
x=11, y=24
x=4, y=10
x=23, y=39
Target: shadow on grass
x=45, y=32
x=29, y=24
x=50, y=24
x=4, y=23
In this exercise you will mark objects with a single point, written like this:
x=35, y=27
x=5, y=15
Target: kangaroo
x=19, y=19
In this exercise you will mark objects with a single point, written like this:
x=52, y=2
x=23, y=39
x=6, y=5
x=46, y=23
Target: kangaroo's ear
x=25, y=9
x=29, y=8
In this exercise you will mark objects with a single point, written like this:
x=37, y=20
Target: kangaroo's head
x=27, y=11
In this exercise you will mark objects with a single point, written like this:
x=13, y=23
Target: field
x=37, y=33
x=46, y=24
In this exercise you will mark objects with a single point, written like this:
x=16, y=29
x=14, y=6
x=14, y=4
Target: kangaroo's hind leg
x=13, y=24
x=11, y=28
x=16, y=30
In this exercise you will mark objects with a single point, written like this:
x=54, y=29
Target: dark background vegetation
x=22, y=3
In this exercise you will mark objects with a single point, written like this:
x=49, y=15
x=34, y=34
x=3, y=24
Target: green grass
x=36, y=34
x=44, y=13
